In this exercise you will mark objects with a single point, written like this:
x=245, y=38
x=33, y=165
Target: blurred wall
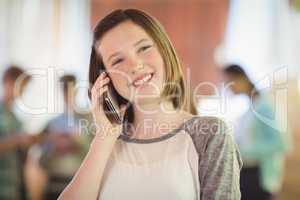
x=47, y=38
x=195, y=27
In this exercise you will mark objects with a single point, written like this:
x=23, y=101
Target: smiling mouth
x=143, y=80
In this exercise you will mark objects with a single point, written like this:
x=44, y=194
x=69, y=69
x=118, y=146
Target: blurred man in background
x=262, y=145
x=66, y=144
x=13, y=141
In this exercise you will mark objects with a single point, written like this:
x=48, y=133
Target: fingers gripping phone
x=111, y=106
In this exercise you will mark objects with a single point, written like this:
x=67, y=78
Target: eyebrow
x=140, y=41
x=135, y=44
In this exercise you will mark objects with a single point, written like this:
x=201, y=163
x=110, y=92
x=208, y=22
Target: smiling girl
x=160, y=151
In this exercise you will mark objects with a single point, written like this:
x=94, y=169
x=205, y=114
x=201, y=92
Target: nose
x=139, y=66
x=134, y=70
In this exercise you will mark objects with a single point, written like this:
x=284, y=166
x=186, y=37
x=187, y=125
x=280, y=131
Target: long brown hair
x=175, y=92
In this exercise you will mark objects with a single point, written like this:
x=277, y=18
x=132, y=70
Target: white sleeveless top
x=153, y=169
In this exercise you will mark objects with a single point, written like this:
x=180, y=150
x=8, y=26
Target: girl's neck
x=149, y=116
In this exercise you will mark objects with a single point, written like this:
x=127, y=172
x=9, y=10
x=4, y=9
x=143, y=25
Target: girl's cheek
x=120, y=81
x=150, y=55
x=153, y=57
x=123, y=70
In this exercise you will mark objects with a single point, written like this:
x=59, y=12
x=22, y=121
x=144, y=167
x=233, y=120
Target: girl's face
x=133, y=62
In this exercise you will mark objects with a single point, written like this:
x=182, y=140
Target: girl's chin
x=144, y=93
x=148, y=100
x=148, y=93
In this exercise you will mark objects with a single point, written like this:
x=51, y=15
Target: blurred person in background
x=65, y=145
x=13, y=141
x=261, y=145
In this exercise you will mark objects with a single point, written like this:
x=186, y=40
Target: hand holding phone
x=111, y=107
x=105, y=108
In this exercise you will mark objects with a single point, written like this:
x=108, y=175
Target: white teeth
x=145, y=79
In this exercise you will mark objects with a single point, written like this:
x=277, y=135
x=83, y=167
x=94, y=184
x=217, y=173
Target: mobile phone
x=111, y=106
